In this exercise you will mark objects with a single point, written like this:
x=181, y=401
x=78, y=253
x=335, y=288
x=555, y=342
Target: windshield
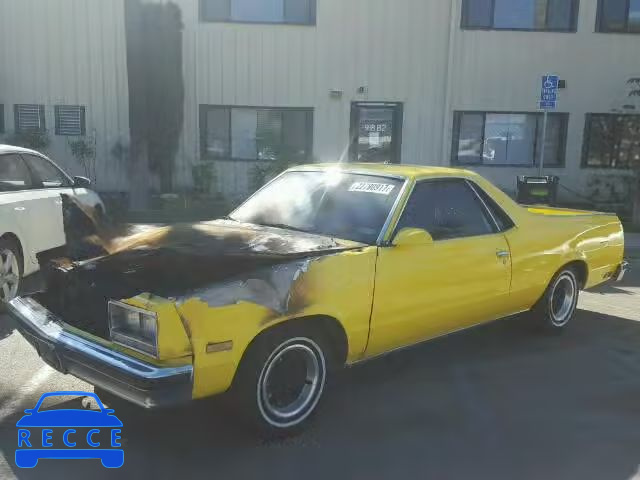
x=345, y=205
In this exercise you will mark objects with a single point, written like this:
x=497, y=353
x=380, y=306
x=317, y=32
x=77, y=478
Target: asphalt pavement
x=500, y=401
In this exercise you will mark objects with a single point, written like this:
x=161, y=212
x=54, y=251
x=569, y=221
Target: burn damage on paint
x=271, y=287
x=220, y=263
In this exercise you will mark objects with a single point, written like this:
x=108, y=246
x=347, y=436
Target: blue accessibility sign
x=549, y=92
x=69, y=434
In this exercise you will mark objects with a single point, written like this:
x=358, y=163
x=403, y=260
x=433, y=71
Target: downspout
x=447, y=114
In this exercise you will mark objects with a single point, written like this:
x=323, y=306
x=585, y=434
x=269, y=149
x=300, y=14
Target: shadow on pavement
x=500, y=401
x=32, y=284
x=6, y=326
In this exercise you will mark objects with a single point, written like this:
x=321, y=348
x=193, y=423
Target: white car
x=31, y=219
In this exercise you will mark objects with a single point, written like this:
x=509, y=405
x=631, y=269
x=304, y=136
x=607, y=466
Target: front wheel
x=558, y=305
x=281, y=380
x=10, y=272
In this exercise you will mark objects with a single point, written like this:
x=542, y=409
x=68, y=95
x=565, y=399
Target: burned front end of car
x=124, y=321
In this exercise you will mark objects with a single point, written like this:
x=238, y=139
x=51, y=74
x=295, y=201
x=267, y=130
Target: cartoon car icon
x=83, y=433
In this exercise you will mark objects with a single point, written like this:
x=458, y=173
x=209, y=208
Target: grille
x=69, y=120
x=77, y=300
x=29, y=118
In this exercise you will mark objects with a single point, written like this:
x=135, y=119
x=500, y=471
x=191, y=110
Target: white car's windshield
x=345, y=205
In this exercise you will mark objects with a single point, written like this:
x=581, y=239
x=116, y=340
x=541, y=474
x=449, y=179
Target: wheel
x=10, y=271
x=281, y=380
x=558, y=305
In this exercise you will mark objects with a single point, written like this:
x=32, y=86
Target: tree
x=156, y=92
x=634, y=84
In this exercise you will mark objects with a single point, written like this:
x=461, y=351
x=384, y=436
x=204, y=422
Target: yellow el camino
x=325, y=266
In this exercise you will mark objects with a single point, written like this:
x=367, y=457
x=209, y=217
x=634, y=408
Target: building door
x=376, y=132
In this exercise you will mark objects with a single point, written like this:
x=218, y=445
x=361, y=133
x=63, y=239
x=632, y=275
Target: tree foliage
x=156, y=84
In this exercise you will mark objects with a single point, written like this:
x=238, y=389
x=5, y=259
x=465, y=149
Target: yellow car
x=327, y=265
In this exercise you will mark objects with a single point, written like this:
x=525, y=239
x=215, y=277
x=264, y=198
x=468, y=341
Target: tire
x=557, y=306
x=11, y=272
x=281, y=380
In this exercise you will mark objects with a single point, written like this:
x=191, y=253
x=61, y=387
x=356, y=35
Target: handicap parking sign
x=549, y=92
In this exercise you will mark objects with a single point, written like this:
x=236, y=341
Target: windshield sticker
x=366, y=187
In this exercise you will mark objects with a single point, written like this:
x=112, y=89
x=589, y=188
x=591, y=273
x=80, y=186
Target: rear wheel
x=10, y=272
x=282, y=378
x=558, y=305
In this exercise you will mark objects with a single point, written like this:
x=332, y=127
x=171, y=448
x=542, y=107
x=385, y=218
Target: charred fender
x=338, y=285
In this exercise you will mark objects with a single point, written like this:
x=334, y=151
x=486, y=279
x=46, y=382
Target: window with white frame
x=245, y=133
x=300, y=12
x=70, y=120
x=29, y=118
x=508, y=139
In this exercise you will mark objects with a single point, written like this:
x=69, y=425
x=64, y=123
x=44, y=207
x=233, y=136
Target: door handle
x=502, y=254
x=19, y=209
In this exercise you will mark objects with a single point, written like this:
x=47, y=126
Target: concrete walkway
x=622, y=299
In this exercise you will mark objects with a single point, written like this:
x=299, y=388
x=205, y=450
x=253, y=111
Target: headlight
x=133, y=328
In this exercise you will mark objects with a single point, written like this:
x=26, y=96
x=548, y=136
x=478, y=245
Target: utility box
x=538, y=190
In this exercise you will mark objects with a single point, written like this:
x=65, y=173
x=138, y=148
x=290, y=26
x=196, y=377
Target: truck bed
x=563, y=212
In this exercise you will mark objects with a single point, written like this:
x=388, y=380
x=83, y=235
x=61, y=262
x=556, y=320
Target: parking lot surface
x=500, y=401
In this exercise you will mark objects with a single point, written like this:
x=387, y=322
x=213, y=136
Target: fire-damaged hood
x=219, y=262
x=172, y=260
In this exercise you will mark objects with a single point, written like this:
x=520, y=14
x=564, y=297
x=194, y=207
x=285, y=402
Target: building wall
x=501, y=70
x=69, y=52
x=395, y=49
x=409, y=51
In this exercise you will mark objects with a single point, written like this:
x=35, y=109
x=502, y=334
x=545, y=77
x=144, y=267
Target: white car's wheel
x=282, y=379
x=10, y=271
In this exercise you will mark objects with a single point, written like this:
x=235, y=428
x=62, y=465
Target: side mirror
x=412, y=237
x=81, y=182
x=29, y=411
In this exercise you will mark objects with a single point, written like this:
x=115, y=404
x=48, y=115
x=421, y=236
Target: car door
x=18, y=206
x=459, y=280
x=50, y=182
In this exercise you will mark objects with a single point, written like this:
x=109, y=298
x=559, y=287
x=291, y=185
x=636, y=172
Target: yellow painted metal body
x=387, y=296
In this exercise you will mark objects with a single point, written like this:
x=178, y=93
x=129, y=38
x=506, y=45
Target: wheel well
x=323, y=324
x=581, y=269
x=14, y=239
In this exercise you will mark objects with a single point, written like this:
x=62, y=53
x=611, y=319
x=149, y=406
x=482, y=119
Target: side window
x=446, y=209
x=14, y=174
x=45, y=173
x=502, y=219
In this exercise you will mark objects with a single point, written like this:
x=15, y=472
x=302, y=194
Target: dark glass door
x=376, y=132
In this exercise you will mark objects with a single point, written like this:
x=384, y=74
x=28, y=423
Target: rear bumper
x=139, y=382
x=621, y=271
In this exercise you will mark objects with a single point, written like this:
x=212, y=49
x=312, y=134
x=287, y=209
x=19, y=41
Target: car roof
x=414, y=172
x=14, y=149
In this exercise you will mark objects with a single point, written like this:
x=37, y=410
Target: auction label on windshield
x=366, y=187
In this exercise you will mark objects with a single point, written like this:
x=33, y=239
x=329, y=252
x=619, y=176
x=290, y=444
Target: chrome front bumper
x=138, y=382
x=621, y=271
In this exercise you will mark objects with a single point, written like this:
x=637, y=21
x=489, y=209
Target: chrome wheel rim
x=562, y=300
x=291, y=382
x=9, y=275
